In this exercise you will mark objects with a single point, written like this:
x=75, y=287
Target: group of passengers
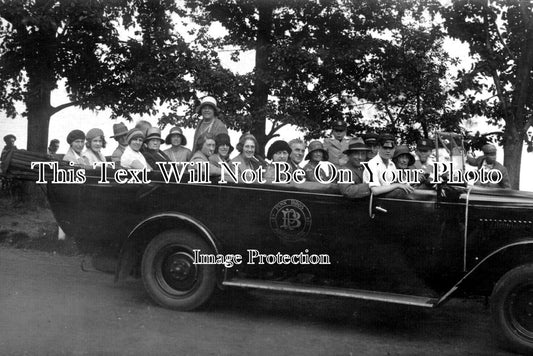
x=140, y=147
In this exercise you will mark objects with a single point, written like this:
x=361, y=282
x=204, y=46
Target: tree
x=77, y=41
x=500, y=36
x=410, y=87
x=308, y=55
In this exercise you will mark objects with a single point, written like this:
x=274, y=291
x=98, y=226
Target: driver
x=382, y=166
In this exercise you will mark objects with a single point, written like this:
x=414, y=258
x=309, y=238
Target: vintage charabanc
x=419, y=249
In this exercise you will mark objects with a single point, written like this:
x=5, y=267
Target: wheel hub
x=175, y=270
x=179, y=266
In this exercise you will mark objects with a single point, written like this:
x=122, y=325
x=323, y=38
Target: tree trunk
x=40, y=85
x=261, y=85
x=38, y=122
x=512, y=158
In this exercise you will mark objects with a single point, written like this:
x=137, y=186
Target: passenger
x=488, y=161
x=279, y=151
x=177, y=152
x=53, y=146
x=402, y=158
x=357, y=152
x=297, y=154
x=371, y=140
x=132, y=158
x=95, y=143
x=76, y=140
x=316, y=154
x=246, y=158
x=382, y=167
x=209, y=123
x=152, y=153
x=223, y=149
x=337, y=144
x=205, y=147
x=120, y=132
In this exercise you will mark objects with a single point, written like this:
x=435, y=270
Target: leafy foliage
x=77, y=41
x=500, y=36
x=316, y=54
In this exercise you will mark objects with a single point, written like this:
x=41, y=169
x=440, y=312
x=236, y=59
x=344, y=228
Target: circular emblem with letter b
x=290, y=219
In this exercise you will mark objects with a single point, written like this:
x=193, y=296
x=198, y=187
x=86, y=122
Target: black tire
x=512, y=309
x=169, y=274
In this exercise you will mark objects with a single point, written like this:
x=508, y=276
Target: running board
x=332, y=291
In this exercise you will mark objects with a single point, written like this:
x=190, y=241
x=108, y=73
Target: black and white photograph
x=266, y=177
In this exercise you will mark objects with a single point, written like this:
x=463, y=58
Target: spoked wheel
x=170, y=275
x=512, y=309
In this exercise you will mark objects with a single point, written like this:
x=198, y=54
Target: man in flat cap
x=488, y=161
x=381, y=166
x=336, y=145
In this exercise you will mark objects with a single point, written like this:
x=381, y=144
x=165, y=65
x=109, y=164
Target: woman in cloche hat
x=209, y=123
x=223, y=149
x=132, y=157
x=402, y=158
x=279, y=151
x=316, y=154
x=95, y=141
x=177, y=152
x=76, y=140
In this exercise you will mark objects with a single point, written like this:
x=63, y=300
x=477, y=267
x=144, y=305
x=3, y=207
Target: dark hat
x=404, y=150
x=8, y=137
x=356, y=144
x=278, y=146
x=384, y=140
x=134, y=133
x=176, y=131
x=316, y=146
x=371, y=138
x=75, y=135
x=208, y=100
x=54, y=141
x=489, y=149
x=223, y=139
x=153, y=132
x=339, y=125
x=119, y=130
x=424, y=144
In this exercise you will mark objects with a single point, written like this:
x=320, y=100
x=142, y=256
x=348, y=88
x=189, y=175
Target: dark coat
x=153, y=156
x=357, y=189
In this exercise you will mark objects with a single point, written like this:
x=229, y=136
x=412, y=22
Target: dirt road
x=48, y=306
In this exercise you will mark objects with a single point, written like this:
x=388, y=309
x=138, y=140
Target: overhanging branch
x=58, y=108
